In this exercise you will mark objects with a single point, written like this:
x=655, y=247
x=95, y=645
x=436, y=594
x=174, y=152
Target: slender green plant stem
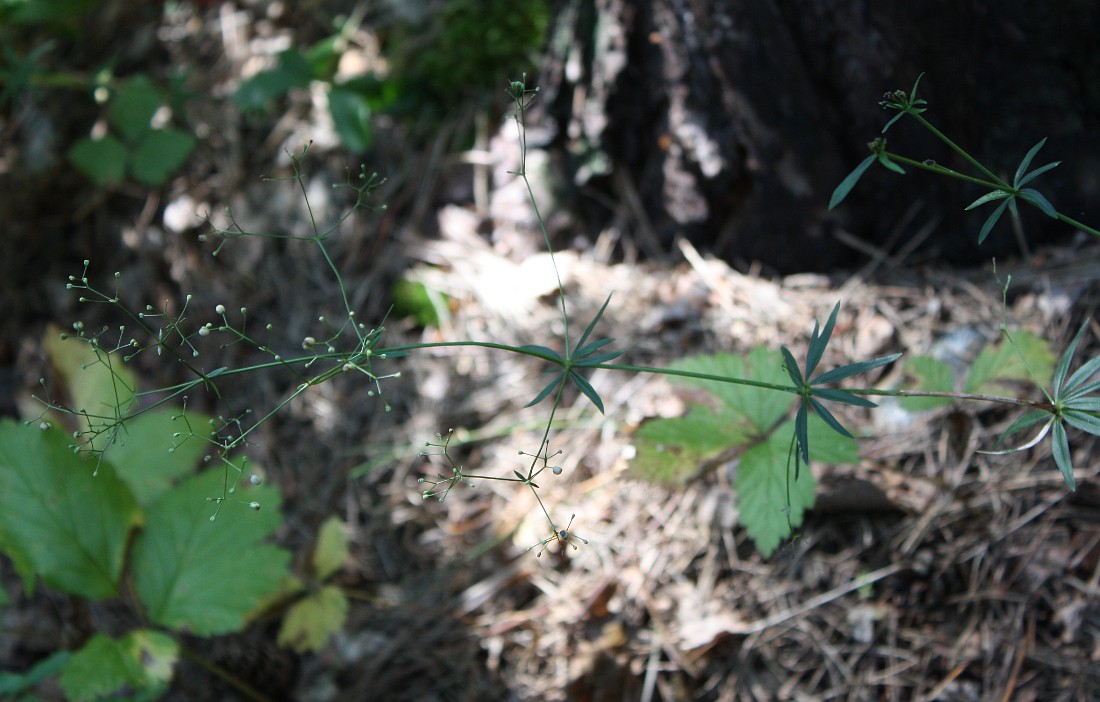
x=960, y=151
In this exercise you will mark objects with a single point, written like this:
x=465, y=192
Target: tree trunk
x=730, y=123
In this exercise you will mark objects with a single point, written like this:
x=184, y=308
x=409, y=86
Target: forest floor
x=927, y=570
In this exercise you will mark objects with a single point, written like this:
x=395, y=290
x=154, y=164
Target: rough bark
x=731, y=122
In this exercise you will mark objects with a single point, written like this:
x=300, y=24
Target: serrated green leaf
x=851, y=369
x=991, y=220
x=760, y=407
x=351, y=115
x=989, y=197
x=702, y=430
x=56, y=518
x=829, y=446
x=585, y=387
x=142, y=661
x=150, y=458
x=852, y=178
x=999, y=365
x=763, y=487
x=332, y=548
x=207, y=577
x=103, y=161
x=1060, y=449
x=96, y=383
x=133, y=108
x=1022, y=168
x=160, y=154
x=1036, y=198
x=309, y=623
x=929, y=375
x=100, y=668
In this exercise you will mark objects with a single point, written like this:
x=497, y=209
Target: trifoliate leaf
x=669, y=450
x=160, y=154
x=930, y=375
x=761, y=407
x=96, y=382
x=310, y=622
x=149, y=456
x=103, y=161
x=142, y=660
x=133, y=108
x=762, y=492
x=206, y=577
x=996, y=367
x=59, y=520
x=762, y=482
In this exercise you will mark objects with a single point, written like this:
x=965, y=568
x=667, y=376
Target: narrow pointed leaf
x=889, y=164
x=1082, y=391
x=1060, y=446
x=1083, y=421
x=1084, y=404
x=792, y=366
x=543, y=350
x=1013, y=209
x=1039, y=200
x=545, y=391
x=991, y=220
x=1081, y=375
x=596, y=360
x=913, y=93
x=1037, y=172
x=818, y=343
x=1029, y=419
x=1063, y=364
x=592, y=324
x=893, y=119
x=829, y=419
x=853, y=369
x=802, y=433
x=590, y=348
x=843, y=397
x=989, y=197
x=852, y=178
x=1022, y=168
x=587, y=389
